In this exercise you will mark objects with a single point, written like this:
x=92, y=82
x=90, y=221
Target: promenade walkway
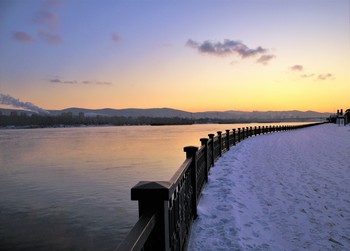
x=281, y=191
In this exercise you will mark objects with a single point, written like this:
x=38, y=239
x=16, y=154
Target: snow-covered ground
x=282, y=191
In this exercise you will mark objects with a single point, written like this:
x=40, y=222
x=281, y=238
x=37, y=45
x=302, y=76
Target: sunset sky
x=194, y=55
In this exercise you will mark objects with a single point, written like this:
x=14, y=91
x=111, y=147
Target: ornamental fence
x=168, y=208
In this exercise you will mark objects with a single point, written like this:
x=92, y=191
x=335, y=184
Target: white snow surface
x=281, y=191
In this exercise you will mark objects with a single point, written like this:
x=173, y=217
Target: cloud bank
x=231, y=48
x=226, y=48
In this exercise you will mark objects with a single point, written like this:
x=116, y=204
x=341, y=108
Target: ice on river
x=281, y=191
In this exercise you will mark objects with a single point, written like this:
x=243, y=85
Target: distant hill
x=217, y=115
x=255, y=116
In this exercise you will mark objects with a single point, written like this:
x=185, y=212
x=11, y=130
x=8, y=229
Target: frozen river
x=69, y=188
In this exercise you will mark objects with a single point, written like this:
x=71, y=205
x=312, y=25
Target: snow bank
x=282, y=191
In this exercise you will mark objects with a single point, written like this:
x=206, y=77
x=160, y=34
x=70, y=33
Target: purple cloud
x=45, y=17
x=226, y=48
x=264, y=59
x=296, y=68
x=57, y=80
x=22, y=37
x=51, y=4
x=48, y=37
x=87, y=82
x=115, y=37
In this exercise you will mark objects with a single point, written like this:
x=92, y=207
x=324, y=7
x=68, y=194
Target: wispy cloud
x=22, y=36
x=296, y=67
x=225, y=48
x=51, y=4
x=58, y=80
x=307, y=75
x=264, y=59
x=316, y=77
x=96, y=82
x=48, y=21
x=115, y=37
x=325, y=76
x=45, y=17
x=48, y=37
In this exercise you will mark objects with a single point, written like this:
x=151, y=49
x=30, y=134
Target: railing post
x=204, y=142
x=243, y=134
x=191, y=152
x=251, y=132
x=239, y=135
x=234, y=136
x=153, y=197
x=228, y=139
x=211, y=137
x=220, y=143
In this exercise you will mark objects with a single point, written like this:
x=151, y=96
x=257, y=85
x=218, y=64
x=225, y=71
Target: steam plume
x=8, y=100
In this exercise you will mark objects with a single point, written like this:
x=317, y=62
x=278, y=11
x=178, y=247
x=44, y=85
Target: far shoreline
x=14, y=127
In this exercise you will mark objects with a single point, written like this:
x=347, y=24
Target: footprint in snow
x=224, y=207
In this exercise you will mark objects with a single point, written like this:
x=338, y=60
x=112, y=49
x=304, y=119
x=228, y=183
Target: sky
x=193, y=55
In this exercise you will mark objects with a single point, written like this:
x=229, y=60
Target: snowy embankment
x=282, y=191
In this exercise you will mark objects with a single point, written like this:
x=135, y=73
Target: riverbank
x=283, y=191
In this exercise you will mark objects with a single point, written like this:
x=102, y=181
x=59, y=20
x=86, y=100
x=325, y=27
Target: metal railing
x=167, y=208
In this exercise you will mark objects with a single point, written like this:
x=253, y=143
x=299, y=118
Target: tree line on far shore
x=67, y=119
x=23, y=120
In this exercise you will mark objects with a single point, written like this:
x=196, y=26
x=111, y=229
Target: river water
x=69, y=188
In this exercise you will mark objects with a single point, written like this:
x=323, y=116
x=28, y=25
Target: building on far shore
x=340, y=120
x=347, y=116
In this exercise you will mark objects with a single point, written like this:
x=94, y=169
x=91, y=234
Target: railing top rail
x=178, y=174
x=139, y=234
x=200, y=149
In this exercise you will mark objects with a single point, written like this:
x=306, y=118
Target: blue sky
x=119, y=54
